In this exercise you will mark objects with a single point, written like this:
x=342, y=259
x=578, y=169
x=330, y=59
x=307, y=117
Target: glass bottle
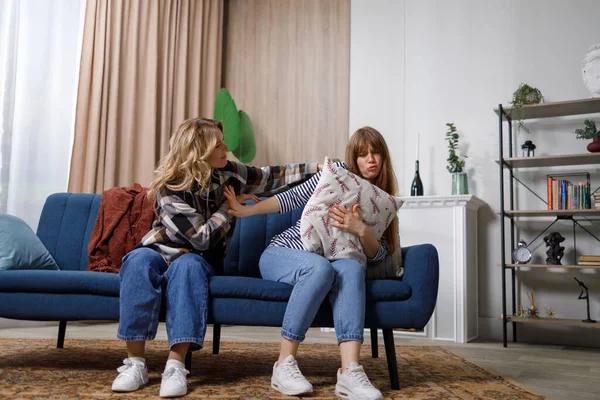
x=416, y=189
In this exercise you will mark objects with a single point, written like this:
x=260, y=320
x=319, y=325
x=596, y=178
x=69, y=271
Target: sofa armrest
x=421, y=273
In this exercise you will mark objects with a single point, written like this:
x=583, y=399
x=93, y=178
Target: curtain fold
x=145, y=67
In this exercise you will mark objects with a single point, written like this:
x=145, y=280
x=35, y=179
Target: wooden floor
x=555, y=371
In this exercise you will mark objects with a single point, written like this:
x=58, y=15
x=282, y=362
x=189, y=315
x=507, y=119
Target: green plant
x=524, y=95
x=238, y=131
x=455, y=164
x=590, y=131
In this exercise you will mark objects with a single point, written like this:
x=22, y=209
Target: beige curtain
x=146, y=65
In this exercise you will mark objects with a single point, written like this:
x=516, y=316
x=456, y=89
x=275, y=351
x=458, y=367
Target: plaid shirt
x=196, y=220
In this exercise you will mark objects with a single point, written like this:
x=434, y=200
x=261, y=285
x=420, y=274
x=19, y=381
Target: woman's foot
x=174, y=381
x=133, y=374
x=288, y=379
x=353, y=384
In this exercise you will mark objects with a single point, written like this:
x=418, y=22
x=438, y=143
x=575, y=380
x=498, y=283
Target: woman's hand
x=348, y=220
x=236, y=206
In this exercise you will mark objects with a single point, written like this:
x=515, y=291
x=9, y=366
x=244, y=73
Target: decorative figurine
x=521, y=312
x=532, y=312
x=528, y=149
x=587, y=298
x=555, y=251
x=550, y=313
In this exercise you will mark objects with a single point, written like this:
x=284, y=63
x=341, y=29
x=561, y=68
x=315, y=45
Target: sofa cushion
x=20, y=248
x=71, y=282
x=263, y=289
x=338, y=186
x=249, y=288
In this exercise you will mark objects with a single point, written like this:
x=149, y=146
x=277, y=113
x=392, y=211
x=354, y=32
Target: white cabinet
x=450, y=224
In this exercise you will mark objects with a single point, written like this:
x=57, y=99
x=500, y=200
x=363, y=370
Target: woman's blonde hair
x=359, y=143
x=190, y=146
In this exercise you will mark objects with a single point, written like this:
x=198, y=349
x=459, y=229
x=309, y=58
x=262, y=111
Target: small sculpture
x=532, y=312
x=555, y=251
x=550, y=313
x=587, y=298
x=521, y=312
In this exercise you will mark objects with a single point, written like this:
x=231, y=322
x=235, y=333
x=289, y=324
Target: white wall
x=377, y=72
x=455, y=61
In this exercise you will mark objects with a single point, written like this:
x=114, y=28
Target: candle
x=418, y=136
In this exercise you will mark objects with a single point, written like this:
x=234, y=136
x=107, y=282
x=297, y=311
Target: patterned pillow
x=338, y=186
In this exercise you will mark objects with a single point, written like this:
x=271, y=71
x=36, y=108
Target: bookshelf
x=553, y=110
x=552, y=161
x=552, y=321
x=550, y=213
x=577, y=266
x=509, y=214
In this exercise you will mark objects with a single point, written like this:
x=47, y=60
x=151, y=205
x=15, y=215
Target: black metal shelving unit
x=508, y=165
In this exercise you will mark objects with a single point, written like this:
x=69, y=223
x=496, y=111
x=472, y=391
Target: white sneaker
x=132, y=376
x=288, y=379
x=174, y=381
x=354, y=384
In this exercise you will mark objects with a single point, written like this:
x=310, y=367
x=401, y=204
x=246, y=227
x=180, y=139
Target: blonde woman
x=185, y=247
x=314, y=277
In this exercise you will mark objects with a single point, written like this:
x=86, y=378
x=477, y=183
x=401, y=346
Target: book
x=589, y=258
x=588, y=263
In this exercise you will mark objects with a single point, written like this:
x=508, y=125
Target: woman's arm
x=239, y=210
x=353, y=223
x=266, y=181
x=183, y=222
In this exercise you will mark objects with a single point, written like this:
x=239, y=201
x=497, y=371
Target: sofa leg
x=216, y=338
x=62, y=328
x=188, y=360
x=374, y=350
x=390, y=354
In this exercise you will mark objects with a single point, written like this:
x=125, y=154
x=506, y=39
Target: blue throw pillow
x=20, y=248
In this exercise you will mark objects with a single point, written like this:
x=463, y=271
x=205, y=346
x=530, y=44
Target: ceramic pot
x=594, y=147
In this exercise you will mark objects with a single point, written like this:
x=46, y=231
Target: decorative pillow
x=338, y=186
x=20, y=248
x=390, y=268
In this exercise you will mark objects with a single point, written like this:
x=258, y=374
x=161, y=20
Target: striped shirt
x=196, y=220
x=298, y=197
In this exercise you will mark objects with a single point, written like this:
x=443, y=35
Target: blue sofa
x=239, y=297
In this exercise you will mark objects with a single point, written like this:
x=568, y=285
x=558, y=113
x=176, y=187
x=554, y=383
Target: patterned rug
x=84, y=369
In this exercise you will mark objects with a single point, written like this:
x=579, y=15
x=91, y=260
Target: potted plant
x=523, y=96
x=455, y=164
x=590, y=132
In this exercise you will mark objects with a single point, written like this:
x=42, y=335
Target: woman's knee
x=139, y=261
x=191, y=265
x=320, y=268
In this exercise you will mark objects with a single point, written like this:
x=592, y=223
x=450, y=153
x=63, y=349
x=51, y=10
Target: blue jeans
x=313, y=277
x=144, y=276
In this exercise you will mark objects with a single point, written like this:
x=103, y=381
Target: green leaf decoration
x=246, y=151
x=226, y=112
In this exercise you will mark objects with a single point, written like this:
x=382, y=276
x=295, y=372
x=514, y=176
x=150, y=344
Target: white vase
x=590, y=70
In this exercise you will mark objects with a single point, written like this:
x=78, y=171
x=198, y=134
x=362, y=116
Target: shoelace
x=359, y=376
x=178, y=373
x=129, y=368
x=292, y=370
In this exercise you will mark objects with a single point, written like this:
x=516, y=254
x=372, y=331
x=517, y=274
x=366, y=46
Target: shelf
x=551, y=266
x=550, y=213
x=553, y=321
x=556, y=109
x=552, y=161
